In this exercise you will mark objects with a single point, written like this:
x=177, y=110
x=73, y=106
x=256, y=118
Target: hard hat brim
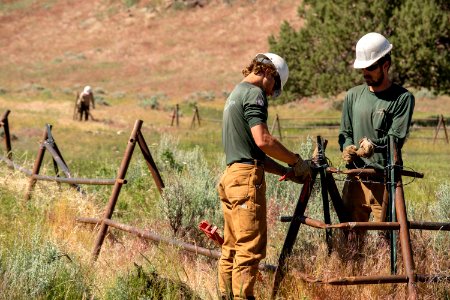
x=362, y=64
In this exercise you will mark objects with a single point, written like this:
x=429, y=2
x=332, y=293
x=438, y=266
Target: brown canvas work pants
x=242, y=192
x=361, y=196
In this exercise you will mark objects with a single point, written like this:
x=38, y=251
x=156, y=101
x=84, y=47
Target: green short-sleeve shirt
x=245, y=107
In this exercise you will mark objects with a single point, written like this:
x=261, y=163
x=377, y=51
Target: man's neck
x=254, y=79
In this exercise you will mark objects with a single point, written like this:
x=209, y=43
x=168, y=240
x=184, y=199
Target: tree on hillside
x=320, y=55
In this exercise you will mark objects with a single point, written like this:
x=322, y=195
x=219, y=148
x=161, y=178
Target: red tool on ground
x=211, y=232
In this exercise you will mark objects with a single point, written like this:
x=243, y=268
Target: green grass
x=190, y=161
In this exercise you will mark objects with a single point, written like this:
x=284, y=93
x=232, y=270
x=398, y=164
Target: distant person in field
x=248, y=147
x=84, y=102
x=371, y=113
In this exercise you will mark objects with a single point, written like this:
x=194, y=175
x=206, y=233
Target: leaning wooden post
x=276, y=123
x=175, y=116
x=37, y=164
x=194, y=117
x=438, y=127
x=445, y=128
x=150, y=162
x=4, y=123
x=116, y=189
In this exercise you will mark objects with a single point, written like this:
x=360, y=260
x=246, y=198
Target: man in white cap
x=248, y=147
x=371, y=113
x=84, y=102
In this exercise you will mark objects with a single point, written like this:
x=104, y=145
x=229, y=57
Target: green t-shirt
x=376, y=116
x=245, y=107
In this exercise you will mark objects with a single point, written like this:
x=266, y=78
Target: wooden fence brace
x=148, y=235
x=324, y=191
x=396, y=207
x=292, y=232
x=4, y=123
x=150, y=162
x=441, y=123
x=49, y=144
x=36, y=166
x=116, y=189
x=175, y=116
x=196, y=116
x=276, y=123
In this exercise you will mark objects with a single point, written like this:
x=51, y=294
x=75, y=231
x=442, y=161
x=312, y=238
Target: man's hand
x=366, y=148
x=349, y=154
x=290, y=176
x=302, y=169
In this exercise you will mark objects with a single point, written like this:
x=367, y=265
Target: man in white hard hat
x=370, y=114
x=84, y=101
x=248, y=147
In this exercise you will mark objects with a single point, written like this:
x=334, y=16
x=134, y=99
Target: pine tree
x=320, y=55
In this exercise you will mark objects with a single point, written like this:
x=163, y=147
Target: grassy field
x=136, y=54
x=52, y=252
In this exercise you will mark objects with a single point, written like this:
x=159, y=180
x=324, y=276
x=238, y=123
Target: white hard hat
x=369, y=49
x=280, y=65
x=87, y=89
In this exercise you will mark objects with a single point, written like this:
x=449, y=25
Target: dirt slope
x=66, y=44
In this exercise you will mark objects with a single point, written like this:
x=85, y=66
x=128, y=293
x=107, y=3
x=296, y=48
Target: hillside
x=64, y=45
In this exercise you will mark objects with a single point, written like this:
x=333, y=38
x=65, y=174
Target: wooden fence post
x=194, y=117
x=4, y=123
x=441, y=123
x=117, y=187
x=37, y=166
x=175, y=116
x=276, y=123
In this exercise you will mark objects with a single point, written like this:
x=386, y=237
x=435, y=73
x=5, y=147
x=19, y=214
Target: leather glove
x=315, y=155
x=349, y=153
x=290, y=176
x=302, y=168
x=366, y=148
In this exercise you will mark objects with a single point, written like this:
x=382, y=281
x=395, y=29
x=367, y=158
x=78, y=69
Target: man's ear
x=386, y=65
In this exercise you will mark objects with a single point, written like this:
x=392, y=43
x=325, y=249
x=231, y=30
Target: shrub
x=38, y=270
x=190, y=190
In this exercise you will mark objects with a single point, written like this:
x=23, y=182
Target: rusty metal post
x=150, y=162
x=405, y=240
x=37, y=165
x=116, y=189
x=7, y=137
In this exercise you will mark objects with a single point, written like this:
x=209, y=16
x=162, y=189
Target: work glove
x=315, y=155
x=290, y=176
x=302, y=168
x=366, y=148
x=349, y=153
